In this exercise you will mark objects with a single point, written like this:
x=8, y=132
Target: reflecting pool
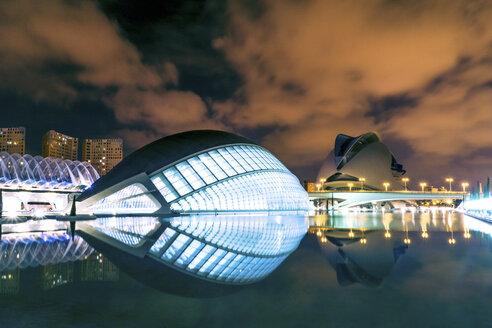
x=385, y=269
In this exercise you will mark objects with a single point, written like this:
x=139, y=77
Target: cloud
x=44, y=41
x=50, y=48
x=313, y=69
x=163, y=111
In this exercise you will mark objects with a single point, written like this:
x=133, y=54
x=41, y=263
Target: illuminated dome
x=195, y=172
x=44, y=173
x=365, y=157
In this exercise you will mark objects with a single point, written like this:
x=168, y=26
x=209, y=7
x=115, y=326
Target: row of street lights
x=404, y=180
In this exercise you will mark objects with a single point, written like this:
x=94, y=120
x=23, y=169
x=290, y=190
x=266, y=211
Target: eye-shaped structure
x=364, y=157
x=196, y=172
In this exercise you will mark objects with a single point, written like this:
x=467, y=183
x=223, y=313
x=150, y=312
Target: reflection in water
x=40, y=248
x=434, y=219
x=197, y=252
x=48, y=259
x=365, y=248
x=446, y=285
x=366, y=258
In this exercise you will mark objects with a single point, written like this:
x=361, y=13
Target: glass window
x=230, y=159
x=189, y=253
x=237, y=154
x=177, y=180
x=213, y=166
x=176, y=247
x=163, y=239
x=190, y=175
x=202, y=170
x=247, y=155
x=224, y=165
x=165, y=188
x=212, y=261
x=200, y=259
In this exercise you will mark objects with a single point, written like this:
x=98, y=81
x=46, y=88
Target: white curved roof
x=44, y=173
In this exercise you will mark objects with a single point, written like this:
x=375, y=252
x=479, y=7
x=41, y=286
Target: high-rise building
x=58, y=145
x=13, y=140
x=103, y=154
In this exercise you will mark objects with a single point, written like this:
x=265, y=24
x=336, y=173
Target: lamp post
x=386, y=185
x=464, y=185
x=362, y=183
x=423, y=185
x=350, y=186
x=405, y=180
x=449, y=180
x=318, y=186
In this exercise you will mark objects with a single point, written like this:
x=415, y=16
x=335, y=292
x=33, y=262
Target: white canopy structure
x=48, y=173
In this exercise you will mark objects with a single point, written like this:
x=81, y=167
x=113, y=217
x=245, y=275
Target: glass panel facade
x=131, y=199
x=165, y=188
x=177, y=181
x=233, y=178
x=258, y=191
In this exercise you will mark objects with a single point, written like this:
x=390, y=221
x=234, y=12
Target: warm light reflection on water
x=385, y=269
x=423, y=221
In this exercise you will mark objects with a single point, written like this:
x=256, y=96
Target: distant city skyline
x=103, y=154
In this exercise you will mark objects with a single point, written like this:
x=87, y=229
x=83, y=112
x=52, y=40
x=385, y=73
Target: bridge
x=355, y=198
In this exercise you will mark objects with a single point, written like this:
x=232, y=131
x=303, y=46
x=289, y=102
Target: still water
x=412, y=269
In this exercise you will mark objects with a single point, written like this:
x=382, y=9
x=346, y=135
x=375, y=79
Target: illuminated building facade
x=13, y=140
x=58, y=145
x=103, y=154
x=196, y=172
x=359, y=158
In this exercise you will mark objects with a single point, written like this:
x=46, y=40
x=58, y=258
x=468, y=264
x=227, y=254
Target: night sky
x=290, y=75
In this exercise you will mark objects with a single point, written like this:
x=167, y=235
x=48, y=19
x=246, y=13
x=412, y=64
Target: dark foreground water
x=431, y=269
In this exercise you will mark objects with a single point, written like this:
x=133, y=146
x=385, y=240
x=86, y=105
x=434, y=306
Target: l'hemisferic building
x=208, y=184
x=196, y=172
x=364, y=157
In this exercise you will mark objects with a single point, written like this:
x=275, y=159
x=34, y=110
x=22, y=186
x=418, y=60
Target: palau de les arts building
x=364, y=157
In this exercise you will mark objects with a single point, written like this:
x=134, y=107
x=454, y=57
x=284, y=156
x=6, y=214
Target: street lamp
x=423, y=185
x=318, y=186
x=449, y=180
x=405, y=180
x=464, y=185
x=386, y=184
x=362, y=183
x=350, y=186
